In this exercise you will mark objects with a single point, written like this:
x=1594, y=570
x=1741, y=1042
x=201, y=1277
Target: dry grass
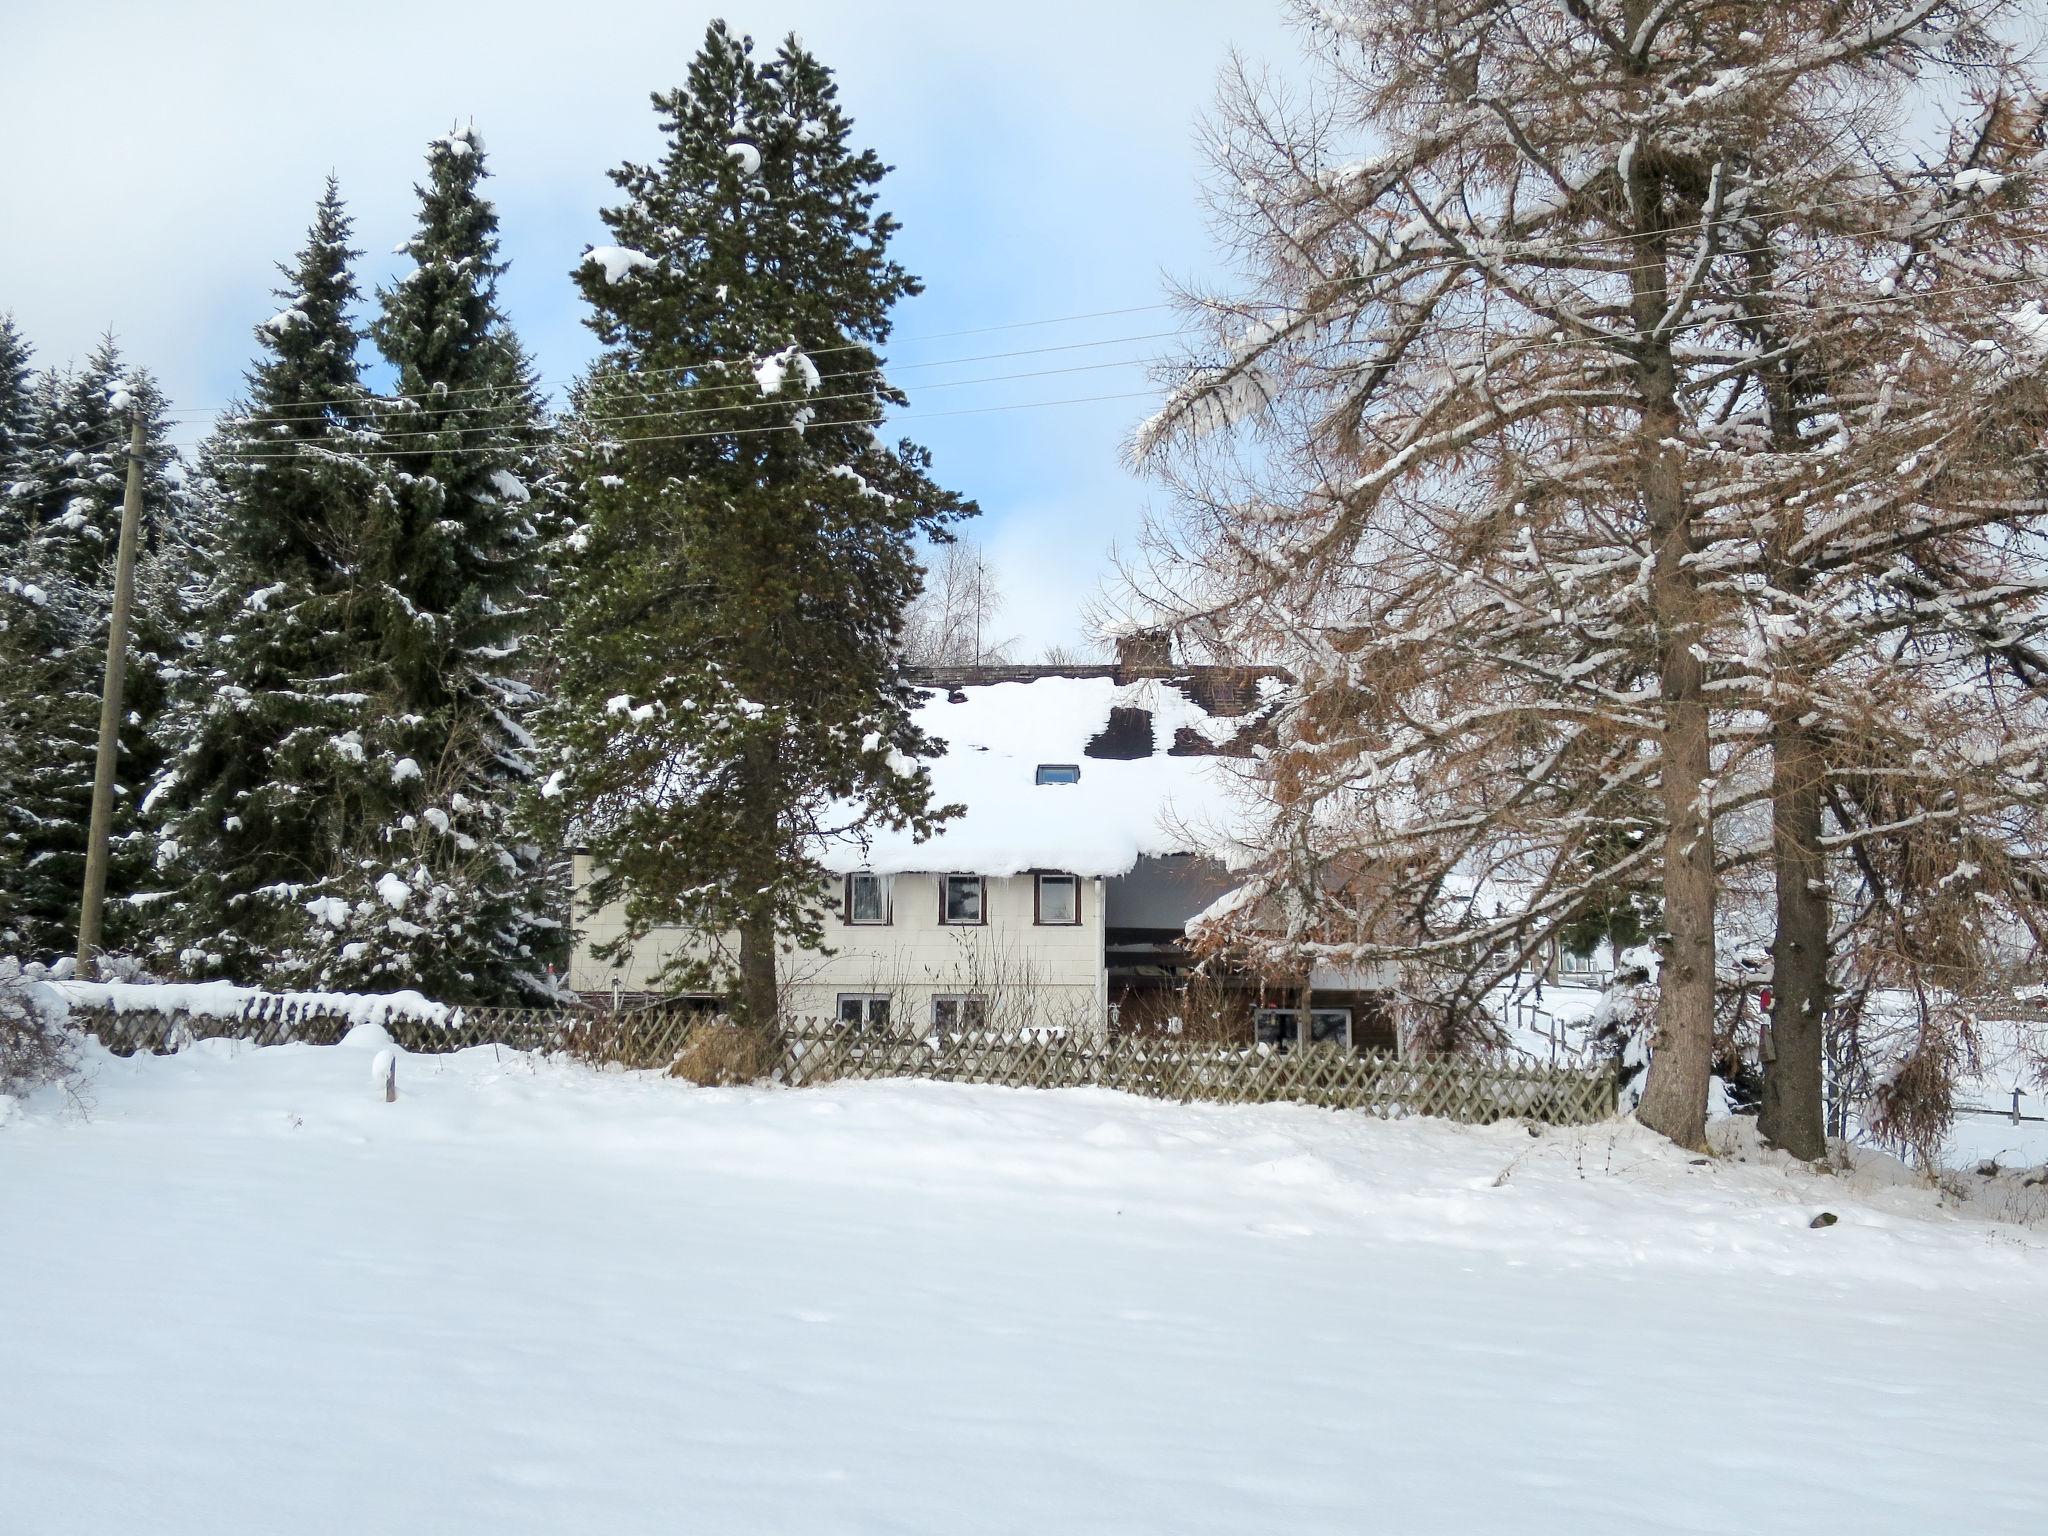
x=719, y=1053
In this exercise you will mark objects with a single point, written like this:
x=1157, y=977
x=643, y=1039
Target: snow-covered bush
x=1620, y=1027
x=35, y=1048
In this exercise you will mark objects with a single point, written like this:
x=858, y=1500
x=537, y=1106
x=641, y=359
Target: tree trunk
x=1792, y=1115
x=1681, y=1057
x=758, y=990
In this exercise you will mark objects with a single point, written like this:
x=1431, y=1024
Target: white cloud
x=1045, y=155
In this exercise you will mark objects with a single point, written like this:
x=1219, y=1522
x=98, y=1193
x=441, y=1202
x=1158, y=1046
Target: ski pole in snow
x=110, y=703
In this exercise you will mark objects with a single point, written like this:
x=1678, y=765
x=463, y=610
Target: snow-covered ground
x=1555, y=1026
x=242, y=1293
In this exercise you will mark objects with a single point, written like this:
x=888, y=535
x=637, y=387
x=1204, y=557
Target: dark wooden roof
x=1227, y=691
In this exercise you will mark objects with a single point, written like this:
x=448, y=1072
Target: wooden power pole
x=110, y=705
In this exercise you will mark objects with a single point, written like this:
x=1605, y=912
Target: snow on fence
x=821, y=1051
x=641, y=1038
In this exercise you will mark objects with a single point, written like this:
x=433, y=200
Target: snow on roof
x=997, y=735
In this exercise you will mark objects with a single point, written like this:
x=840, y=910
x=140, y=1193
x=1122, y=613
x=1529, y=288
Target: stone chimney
x=1144, y=650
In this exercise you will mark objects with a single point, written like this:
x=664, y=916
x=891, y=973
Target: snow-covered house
x=1100, y=807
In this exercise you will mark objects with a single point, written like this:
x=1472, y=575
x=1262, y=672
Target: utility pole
x=110, y=704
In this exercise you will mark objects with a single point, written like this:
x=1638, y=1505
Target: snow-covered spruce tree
x=1480, y=465
x=280, y=752
x=436, y=891
x=16, y=400
x=63, y=509
x=726, y=694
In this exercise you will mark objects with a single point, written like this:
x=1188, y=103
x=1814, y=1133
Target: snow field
x=244, y=1293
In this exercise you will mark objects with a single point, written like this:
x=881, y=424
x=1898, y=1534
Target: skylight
x=1059, y=773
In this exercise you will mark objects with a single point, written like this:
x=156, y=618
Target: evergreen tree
x=280, y=758
x=438, y=893
x=64, y=512
x=16, y=403
x=727, y=695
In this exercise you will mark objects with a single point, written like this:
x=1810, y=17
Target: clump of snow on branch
x=774, y=370
x=618, y=262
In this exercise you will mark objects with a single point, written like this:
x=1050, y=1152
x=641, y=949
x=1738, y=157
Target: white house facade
x=1103, y=806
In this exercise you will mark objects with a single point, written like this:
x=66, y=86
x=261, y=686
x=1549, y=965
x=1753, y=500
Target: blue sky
x=163, y=157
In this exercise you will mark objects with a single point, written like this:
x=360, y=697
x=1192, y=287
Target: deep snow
x=242, y=1293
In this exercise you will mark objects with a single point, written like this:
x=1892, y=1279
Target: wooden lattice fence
x=815, y=1052
x=650, y=1037
x=1332, y=1076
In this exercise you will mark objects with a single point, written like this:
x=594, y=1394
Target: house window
x=867, y=899
x=963, y=899
x=1059, y=901
x=950, y=1015
x=1282, y=1027
x=864, y=1011
x=1059, y=773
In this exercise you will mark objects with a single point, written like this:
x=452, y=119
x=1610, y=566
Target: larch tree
x=279, y=758
x=1491, y=454
x=726, y=692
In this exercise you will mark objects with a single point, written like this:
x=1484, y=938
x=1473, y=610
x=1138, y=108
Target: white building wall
x=1027, y=973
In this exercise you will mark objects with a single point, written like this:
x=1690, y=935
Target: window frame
x=1038, y=879
x=959, y=1000
x=883, y=883
x=1038, y=778
x=867, y=1025
x=1300, y=1039
x=980, y=920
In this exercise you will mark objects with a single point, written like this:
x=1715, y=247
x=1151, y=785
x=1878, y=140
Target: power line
x=314, y=450
x=431, y=398
x=773, y=402
x=685, y=414
x=282, y=418
x=1225, y=305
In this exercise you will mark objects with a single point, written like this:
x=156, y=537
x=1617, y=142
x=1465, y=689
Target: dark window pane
x=867, y=899
x=1329, y=1026
x=963, y=899
x=1275, y=1026
x=878, y=1013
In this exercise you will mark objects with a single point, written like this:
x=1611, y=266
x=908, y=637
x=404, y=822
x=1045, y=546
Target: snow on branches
x=1641, y=467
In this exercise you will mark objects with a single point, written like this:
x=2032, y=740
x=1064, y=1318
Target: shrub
x=720, y=1053
x=34, y=1046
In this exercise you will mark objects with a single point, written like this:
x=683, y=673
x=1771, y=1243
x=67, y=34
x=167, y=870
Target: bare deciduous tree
x=951, y=623
x=1586, y=446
